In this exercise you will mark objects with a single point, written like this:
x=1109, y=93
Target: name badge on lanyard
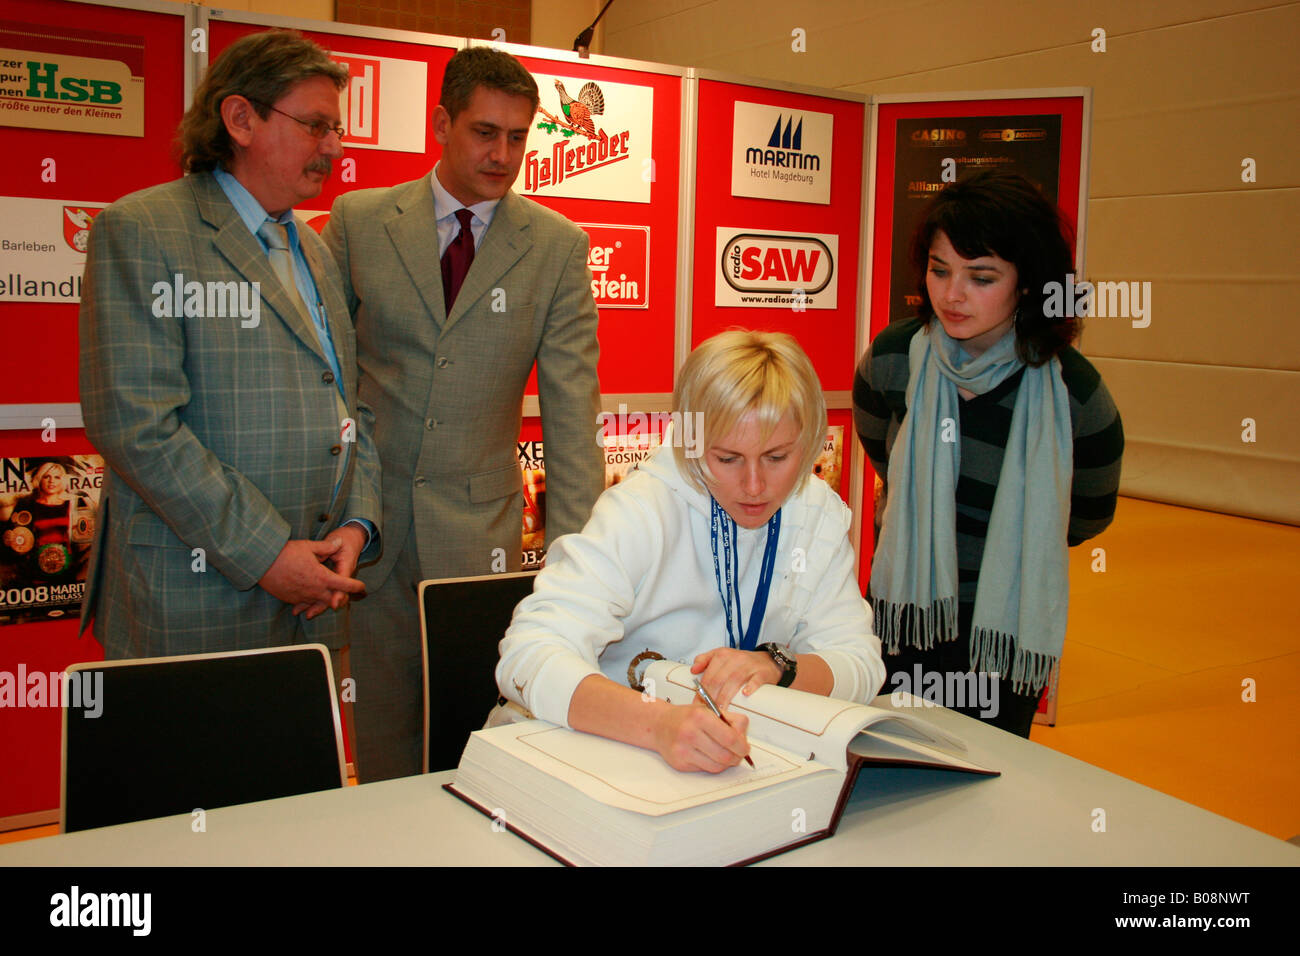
x=726, y=571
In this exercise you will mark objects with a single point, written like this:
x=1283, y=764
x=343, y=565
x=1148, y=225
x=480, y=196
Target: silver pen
x=704, y=695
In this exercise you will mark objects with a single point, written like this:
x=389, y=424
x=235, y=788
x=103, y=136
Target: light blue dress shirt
x=253, y=215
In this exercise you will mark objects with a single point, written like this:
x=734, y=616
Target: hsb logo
x=41, y=83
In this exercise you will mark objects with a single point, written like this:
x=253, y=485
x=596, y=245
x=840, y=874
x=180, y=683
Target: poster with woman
x=47, y=521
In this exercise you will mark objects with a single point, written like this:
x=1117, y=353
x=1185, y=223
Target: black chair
x=463, y=621
x=166, y=735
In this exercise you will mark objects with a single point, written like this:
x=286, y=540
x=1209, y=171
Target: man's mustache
x=320, y=165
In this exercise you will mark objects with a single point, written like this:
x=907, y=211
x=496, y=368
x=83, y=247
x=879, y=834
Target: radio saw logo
x=590, y=145
x=771, y=269
x=76, y=225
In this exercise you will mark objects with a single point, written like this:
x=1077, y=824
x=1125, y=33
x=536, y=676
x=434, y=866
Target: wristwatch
x=783, y=660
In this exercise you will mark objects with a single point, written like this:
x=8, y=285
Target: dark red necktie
x=457, y=259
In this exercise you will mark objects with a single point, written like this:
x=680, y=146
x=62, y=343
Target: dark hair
x=483, y=66
x=261, y=67
x=1001, y=213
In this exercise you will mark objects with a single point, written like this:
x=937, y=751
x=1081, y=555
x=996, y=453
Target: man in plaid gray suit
x=219, y=380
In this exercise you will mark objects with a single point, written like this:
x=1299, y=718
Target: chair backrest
x=462, y=623
x=165, y=735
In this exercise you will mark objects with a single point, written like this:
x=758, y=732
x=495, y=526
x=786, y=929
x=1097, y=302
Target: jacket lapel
x=241, y=249
x=414, y=233
x=334, y=308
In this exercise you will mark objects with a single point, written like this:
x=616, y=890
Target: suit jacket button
x=322, y=517
x=430, y=424
x=443, y=362
x=328, y=378
x=337, y=449
x=420, y=482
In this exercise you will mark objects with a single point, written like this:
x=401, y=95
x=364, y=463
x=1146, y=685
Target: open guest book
x=587, y=800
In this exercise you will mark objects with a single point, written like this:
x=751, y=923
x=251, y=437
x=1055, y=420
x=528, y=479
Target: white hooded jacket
x=640, y=576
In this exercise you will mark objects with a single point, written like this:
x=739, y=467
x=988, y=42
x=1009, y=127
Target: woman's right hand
x=690, y=737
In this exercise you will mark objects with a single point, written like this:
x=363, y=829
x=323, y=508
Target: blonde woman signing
x=737, y=562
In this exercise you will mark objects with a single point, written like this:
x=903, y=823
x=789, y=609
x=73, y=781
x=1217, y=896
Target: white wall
x=1183, y=92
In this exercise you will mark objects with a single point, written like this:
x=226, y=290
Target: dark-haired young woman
x=997, y=443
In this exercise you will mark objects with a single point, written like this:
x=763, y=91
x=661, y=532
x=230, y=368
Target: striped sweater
x=880, y=402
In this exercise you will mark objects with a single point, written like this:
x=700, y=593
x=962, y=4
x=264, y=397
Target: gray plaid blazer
x=216, y=436
x=447, y=390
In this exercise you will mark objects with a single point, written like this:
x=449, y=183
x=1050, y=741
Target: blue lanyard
x=727, y=575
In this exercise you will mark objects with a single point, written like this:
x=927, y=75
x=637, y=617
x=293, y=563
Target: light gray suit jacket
x=447, y=390
x=216, y=436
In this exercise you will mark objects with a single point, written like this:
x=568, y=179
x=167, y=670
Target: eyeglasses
x=318, y=128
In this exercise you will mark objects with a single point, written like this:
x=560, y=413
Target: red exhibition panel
x=66, y=176
x=885, y=243
x=636, y=343
x=87, y=168
x=826, y=335
x=1068, y=108
x=1051, y=122
x=768, y=235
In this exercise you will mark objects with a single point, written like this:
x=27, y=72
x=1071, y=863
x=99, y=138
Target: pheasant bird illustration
x=590, y=102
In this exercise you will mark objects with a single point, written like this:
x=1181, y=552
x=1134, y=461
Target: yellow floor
x=1191, y=605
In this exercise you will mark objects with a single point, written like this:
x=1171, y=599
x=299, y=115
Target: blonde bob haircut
x=740, y=373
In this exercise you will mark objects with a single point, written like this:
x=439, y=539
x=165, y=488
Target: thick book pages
x=588, y=800
x=823, y=728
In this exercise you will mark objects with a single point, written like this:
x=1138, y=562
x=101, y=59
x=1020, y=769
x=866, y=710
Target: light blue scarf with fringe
x=1018, y=628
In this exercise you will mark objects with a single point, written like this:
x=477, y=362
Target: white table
x=1041, y=811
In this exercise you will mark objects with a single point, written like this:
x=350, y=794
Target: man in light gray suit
x=218, y=380
x=458, y=287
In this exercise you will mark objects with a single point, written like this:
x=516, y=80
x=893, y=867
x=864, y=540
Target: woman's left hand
x=724, y=671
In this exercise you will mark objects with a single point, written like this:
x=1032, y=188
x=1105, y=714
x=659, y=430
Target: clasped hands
x=691, y=737
x=315, y=576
